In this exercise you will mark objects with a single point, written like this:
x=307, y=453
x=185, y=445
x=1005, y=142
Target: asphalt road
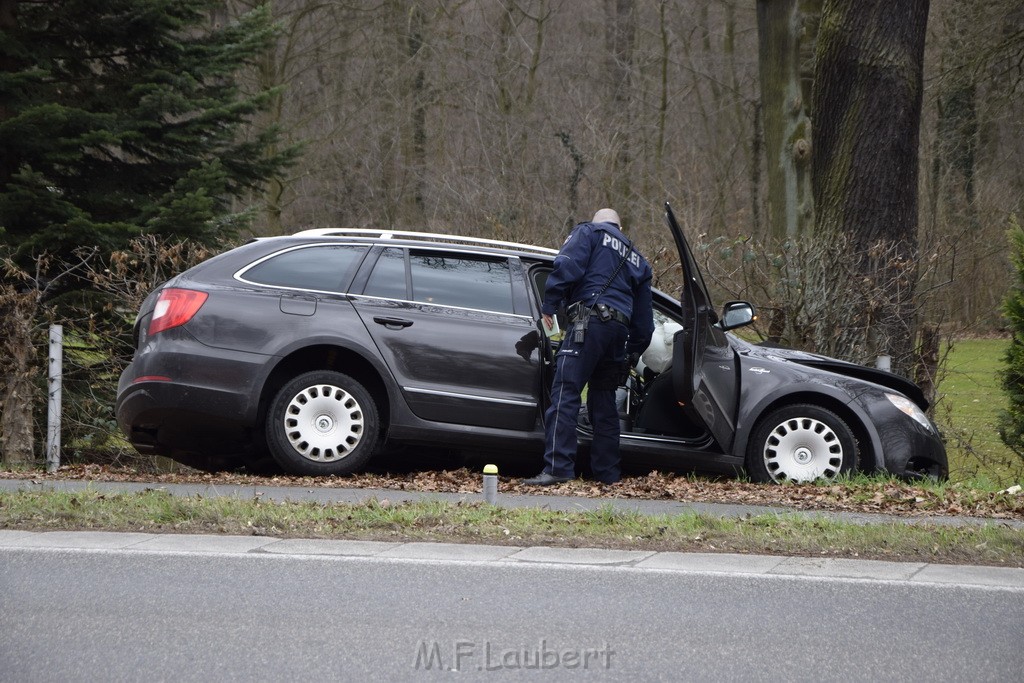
x=221, y=608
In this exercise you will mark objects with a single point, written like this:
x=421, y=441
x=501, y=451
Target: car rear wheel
x=801, y=443
x=322, y=423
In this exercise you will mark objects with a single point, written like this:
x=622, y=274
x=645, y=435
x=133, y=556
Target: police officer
x=606, y=286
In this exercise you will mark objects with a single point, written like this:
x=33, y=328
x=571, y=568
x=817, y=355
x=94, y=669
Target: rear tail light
x=175, y=307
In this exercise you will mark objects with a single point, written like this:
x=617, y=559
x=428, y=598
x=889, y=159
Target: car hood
x=783, y=354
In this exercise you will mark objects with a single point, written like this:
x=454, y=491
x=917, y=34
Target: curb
x=910, y=573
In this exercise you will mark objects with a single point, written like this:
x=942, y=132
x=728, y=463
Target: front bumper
x=908, y=449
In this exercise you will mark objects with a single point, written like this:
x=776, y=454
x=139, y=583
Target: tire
x=801, y=443
x=322, y=423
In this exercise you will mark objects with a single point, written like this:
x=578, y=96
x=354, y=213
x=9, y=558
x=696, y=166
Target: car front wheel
x=322, y=423
x=801, y=443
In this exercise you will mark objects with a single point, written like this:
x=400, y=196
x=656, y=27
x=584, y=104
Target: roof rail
x=408, y=234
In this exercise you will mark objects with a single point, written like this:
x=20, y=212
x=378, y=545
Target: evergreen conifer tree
x=117, y=118
x=122, y=117
x=1011, y=422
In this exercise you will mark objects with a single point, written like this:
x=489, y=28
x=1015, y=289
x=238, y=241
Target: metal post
x=54, y=403
x=491, y=484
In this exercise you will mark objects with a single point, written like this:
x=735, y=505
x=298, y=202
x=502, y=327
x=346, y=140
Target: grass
x=156, y=511
x=968, y=408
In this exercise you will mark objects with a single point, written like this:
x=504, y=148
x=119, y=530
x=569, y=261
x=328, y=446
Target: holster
x=577, y=312
x=579, y=316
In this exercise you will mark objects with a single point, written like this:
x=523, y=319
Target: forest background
x=515, y=119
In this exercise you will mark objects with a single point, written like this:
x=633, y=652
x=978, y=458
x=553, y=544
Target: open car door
x=704, y=367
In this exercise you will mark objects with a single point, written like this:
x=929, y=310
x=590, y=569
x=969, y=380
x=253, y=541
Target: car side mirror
x=737, y=314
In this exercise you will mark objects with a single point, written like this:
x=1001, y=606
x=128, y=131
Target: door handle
x=393, y=323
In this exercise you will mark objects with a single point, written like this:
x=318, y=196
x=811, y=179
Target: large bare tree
x=867, y=112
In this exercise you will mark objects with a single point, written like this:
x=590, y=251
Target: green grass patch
x=160, y=512
x=970, y=400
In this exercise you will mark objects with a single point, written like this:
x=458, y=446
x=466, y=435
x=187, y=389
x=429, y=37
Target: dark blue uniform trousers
x=595, y=361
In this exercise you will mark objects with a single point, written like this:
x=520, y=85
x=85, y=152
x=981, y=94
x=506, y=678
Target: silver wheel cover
x=803, y=449
x=323, y=423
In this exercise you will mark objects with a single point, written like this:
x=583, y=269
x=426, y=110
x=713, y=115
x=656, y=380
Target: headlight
x=910, y=409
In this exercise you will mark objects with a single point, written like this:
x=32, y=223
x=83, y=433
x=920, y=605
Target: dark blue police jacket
x=585, y=262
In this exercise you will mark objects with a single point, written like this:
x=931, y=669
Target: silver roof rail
x=408, y=234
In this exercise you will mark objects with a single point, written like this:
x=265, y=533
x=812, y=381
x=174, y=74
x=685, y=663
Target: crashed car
x=324, y=347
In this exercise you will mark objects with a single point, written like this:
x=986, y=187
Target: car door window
x=325, y=268
x=458, y=280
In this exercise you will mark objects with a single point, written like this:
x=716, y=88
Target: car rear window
x=326, y=268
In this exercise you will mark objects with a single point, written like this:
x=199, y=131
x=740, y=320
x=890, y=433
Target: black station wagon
x=324, y=347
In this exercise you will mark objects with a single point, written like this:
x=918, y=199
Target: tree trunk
x=867, y=112
x=664, y=60
x=786, y=34
x=16, y=372
x=926, y=371
x=269, y=73
x=956, y=145
x=620, y=36
x=415, y=129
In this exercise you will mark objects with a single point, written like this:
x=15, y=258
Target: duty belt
x=603, y=312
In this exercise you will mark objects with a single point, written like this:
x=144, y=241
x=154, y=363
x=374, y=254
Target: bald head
x=607, y=216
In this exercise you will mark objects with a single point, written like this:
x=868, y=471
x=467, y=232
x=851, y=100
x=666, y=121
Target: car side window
x=326, y=268
x=388, y=277
x=458, y=280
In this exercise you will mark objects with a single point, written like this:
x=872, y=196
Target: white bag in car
x=658, y=356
